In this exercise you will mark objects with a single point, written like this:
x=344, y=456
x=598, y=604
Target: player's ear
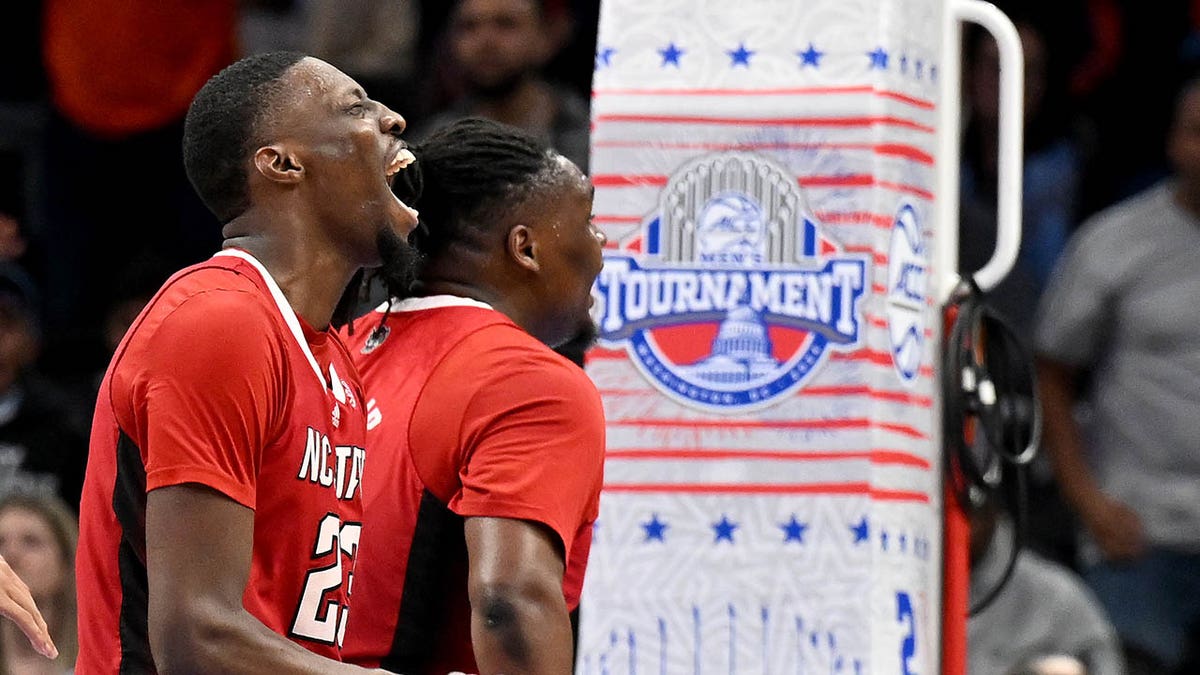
x=521, y=245
x=278, y=165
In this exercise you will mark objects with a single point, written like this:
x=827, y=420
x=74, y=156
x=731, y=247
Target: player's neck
x=312, y=278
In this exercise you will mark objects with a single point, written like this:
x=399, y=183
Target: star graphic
x=604, y=57
x=793, y=530
x=724, y=529
x=655, y=529
x=879, y=58
x=670, y=55
x=861, y=530
x=740, y=56
x=810, y=57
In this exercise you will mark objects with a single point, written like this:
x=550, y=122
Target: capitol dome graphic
x=741, y=352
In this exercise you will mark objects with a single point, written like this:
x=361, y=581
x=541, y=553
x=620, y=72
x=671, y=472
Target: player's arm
x=1117, y=529
x=198, y=563
x=519, y=619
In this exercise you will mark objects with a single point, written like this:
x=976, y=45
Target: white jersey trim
x=430, y=302
x=285, y=309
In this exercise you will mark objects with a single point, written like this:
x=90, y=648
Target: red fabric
x=956, y=565
x=492, y=423
x=118, y=67
x=211, y=387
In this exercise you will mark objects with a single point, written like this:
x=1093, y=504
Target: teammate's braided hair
x=221, y=128
x=467, y=176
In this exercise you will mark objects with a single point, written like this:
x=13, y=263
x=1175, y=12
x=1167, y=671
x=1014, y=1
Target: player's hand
x=1115, y=527
x=17, y=604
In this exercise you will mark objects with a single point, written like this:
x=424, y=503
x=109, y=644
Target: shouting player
x=222, y=506
x=487, y=446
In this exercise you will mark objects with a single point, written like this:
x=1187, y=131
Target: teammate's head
x=498, y=43
x=300, y=139
x=503, y=213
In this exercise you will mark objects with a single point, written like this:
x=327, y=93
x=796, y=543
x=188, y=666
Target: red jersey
x=219, y=383
x=468, y=415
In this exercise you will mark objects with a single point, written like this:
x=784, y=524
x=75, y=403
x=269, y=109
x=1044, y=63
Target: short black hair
x=467, y=173
x=221, y=126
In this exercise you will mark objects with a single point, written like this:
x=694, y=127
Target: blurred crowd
x=95, y=213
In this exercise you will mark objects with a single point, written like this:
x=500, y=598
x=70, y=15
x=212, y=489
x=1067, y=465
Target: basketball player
x=222, y=505
x=487, y=447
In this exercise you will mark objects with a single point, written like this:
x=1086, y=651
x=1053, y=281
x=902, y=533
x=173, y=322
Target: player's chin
x=401, y=217
x=399, y=262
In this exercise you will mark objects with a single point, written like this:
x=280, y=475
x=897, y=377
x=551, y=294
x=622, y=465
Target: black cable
x=988, y=379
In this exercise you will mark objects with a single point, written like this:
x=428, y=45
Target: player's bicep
x=519, y=617
x=198, y=550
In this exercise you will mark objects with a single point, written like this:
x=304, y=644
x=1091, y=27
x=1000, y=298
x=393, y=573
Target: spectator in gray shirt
x=1122, y=308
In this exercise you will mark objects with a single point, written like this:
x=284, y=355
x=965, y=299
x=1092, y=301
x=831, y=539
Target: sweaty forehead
x=317, y=80
x=571, y=176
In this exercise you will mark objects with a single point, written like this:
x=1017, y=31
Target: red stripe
x=840, y=424
x=873, y=356
x=910, y=189
x=626, y=180
x=877, y=494
x=878, y=258
x=600, y=353
x=850, y=180
x=905, y=98
x=616, y=219
x=838, y=217
x=867, y=121
x=874, y=456
x=880, y=394
x=876, y=357
x=888, y=149
x=861, y=89
x=859, y=180
x=881, y=322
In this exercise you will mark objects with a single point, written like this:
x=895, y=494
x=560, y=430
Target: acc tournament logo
x=906, y=292
x=731, y=297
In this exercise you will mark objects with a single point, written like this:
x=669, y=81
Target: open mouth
x=402, y=157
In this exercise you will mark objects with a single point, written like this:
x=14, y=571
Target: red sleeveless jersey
x=219, y=383
x=468, y=415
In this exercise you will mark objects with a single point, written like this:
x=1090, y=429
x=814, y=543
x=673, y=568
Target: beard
x=575, y=348
x=401, y=263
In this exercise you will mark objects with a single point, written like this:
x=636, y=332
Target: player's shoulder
x=507, y=356
x=207, y=301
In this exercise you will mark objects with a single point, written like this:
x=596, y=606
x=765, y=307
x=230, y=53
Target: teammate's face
x=30, y=547
x=350, y=150
x=571, y=256
x=496, y=42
